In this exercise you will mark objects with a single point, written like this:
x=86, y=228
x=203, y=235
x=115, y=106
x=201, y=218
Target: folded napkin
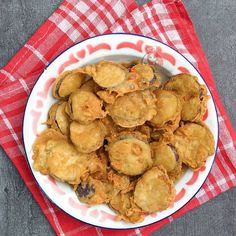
x=73, y=21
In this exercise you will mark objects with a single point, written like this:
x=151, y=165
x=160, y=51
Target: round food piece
x=84, y=107
x=58, y=119
x=87, y=138
x=66, y=83
x=154, y=190
x=165, y=154
x=39, y=149
x=168, y=109
x=195, y=142
x=107, y=74
x=145, y=71
x=133, y=109
x=92, y=191
x=124, y=205
x=53, y=155
x=130, y=156
x=194, y=96
x=64, y=162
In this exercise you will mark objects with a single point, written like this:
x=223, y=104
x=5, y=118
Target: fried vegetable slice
x=164, y=154
x=92, y=191
x=107, y=74
x=195, y=142
x=154, y=190
x=133, y=109
x=55, y=156
x=66, y=83
x=168, y=107
x=87, y=138
x=194, y=96
x=84, y=107
x=58, y=119
x=129, y=155
x=90, y=86
x=124, y=205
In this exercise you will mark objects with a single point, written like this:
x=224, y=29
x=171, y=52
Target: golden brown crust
x=195, y=142
x=133, y=109
x=154, y=190
x=194, y=96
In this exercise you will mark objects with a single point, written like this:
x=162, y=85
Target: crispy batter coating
x=168, y=108
x=133, y=109
x=87, y=138
x=53, y=155
x=66, y=83
x=58, y=119
x=84, y=107
x=154, y=190
x=194, y=96
x=119, y=138
x=92, y=191
x=107, y=74
x=195, y=142
x=127, y=210
x=164, y=154
x=129, y=155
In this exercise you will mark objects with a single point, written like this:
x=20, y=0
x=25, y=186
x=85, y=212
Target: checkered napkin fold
x=73, y=21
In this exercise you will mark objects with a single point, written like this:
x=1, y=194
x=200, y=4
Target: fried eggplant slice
x=90, y=86
x=107, y=74
x=127, y=210
x=133, y=109
x=195, y=142
x=194, y=95
x=84, y=107
x=87, y=138
x=129, y=155
x=58, y=119
x=66, y=83
x=168, y=107
x=165, y=154
x=55, y=156
x=154, y=190
x=92, y=192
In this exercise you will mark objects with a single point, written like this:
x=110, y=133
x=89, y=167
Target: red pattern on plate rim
x=77, y=205
x=195, y=175
x=53, y=184
x=72, y=60
x=205, y=115
x=44, y=93
x=180, y=195
x=36, y=115
x=135, y=46
x=101, y=46
x=183, y=69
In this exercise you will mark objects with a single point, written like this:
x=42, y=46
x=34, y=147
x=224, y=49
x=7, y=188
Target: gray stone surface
x=215, y=24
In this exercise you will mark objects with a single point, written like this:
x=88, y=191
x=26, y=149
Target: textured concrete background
x=215, y=24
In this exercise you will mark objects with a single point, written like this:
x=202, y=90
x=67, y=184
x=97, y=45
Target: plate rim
x=97, y=36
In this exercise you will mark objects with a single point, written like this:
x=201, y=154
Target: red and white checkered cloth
x=73, y=21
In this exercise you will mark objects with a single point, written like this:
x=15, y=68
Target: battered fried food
x=55, y=156
x=107, y=74
x=127, y=210
x=164, y=154
x=168, y=107
x=196, y=143
x=84, y=107
x=66, y=83
x=194, y=96
x=154, y=190
x=119, y=138
x=87, y=138
x=129, y=155
x=58, y=119
x=133, y=109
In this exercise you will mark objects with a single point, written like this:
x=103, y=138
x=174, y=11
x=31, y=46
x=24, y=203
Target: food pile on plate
x=118, y=136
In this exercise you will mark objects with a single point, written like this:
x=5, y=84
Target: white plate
x=118, y=47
